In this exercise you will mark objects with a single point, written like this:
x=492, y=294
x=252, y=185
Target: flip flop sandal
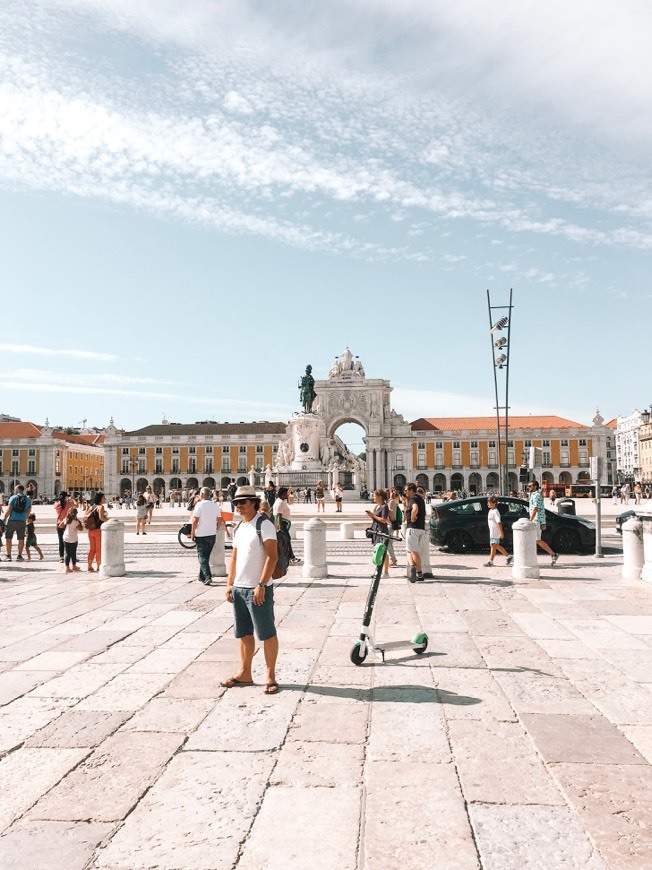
x=234, y=682
x=271, y=688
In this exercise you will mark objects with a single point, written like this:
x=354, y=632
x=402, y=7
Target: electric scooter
x=419, y=643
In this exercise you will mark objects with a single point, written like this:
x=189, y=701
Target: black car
x=461, y=526
x=622, y=518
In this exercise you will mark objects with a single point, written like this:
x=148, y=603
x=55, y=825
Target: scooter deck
x=396, y=644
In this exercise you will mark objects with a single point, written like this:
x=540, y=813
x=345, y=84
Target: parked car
x=622, y=518
x=461, y=525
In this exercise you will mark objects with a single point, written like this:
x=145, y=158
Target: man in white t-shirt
x=205, y=520
x=250, y=589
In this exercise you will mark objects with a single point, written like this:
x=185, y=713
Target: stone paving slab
x=521, y=738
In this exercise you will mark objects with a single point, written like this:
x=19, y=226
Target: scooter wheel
x=423, y=646
x=358, y=655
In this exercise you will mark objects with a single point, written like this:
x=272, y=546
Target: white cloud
x=58, y=352
x=238, y=141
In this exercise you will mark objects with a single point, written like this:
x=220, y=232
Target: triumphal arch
x=312, y=447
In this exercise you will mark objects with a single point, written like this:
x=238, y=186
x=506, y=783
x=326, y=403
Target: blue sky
x=199, y=198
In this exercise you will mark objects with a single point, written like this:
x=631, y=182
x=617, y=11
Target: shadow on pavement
x=385, y=694
x=473, y=581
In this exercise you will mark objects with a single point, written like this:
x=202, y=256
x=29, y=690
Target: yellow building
x=47, y=461
x=177, y=456
x=461, y=453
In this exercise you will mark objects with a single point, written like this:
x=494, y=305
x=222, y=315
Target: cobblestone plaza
x=521, y=738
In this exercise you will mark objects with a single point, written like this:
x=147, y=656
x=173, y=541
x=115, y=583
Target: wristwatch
x=264, y=585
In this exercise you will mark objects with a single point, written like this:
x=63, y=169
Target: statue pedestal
x=306, y=432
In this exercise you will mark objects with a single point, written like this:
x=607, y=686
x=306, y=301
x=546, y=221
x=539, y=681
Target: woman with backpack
x=61, y=506
x=282, y=517
x=395, y=517
x=93, y=519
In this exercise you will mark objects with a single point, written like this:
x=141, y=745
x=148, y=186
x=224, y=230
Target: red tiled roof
x=92, y=440
x=16, y=431
x=459, y=424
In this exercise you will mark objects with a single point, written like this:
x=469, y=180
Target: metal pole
x=509, y=355
x=598, y=524
x=493, y=365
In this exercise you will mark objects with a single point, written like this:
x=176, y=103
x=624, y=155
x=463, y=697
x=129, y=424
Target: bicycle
x=183, y=535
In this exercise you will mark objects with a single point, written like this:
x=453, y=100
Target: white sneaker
x=385, y=575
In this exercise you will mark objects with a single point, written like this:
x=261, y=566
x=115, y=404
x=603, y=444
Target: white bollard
x=314, y=549
x=216, y=561
x=347, y=531
x=525, y=565
x=633, y=558
x=112, y=560
x=294, y=528
x=646, y=574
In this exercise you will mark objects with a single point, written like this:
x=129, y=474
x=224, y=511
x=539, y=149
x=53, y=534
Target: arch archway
x=439, y=483
x=57, y=487
x=141, y=484
x=399, y=481
x=209, y=482
x=457, y=481
x=475, y=483
x=159, y=486
x=565, y=477
x=584, y=477
x=348, y=396
x=422, y=480
x=225, y=482
x=192, y=483
x=175, y=483
x=513, y=482
x=345, y=452
x=493, y=484
x=547, y=477
x=242, y=481
x=125, y=486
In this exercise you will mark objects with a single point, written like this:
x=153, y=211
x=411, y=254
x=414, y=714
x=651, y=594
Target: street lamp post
x=501, y=362
x=132, y=463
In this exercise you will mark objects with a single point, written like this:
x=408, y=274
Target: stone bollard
x=294, y=528
x=217, y=562
x=525, y=565
x=646, y=574
x=347, y=531
x=112, y=560
x=633, y=558
x=314, y=549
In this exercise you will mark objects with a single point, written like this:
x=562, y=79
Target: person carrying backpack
x=15, y=520
x=250, y=588
x=94, y=517
x=282, y=518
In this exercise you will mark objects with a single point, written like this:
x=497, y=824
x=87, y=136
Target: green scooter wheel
x=358, y=655
x=420, y=642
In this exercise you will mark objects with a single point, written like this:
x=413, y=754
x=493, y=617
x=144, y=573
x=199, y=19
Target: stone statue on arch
x=307, y=392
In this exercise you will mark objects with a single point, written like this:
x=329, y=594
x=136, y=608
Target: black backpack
x=283, y=547
x=20, y=505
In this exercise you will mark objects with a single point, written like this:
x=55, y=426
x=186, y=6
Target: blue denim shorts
x=494, y=540
x=250, y=617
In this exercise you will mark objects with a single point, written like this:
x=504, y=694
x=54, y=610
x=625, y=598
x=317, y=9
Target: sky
x=199, y=198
